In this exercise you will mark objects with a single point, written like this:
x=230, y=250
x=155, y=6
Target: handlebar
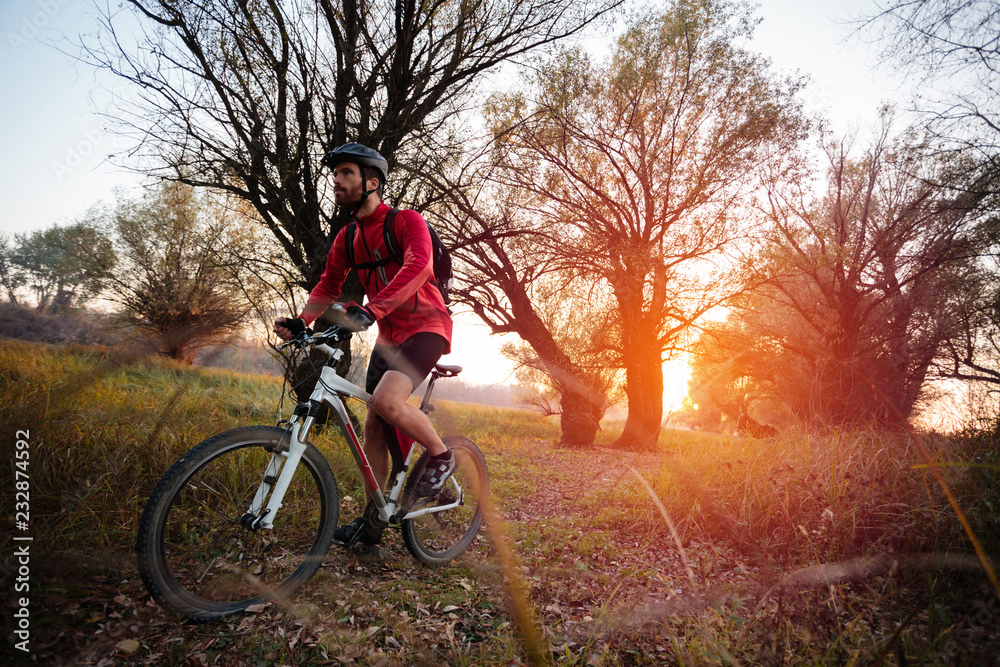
x=334, y=334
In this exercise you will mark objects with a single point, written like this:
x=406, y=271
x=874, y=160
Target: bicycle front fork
x=277, y=476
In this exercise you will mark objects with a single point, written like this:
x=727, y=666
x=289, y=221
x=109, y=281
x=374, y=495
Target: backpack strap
x=392, y=246
x=393, y=249
x=387, y=234
x=349, y=243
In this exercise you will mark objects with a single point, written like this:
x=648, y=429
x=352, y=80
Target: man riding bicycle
x=414, y=326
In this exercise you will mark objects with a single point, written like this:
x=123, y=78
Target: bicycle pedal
x=369, y=533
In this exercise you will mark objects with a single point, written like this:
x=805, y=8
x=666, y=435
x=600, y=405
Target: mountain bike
x=249, y=515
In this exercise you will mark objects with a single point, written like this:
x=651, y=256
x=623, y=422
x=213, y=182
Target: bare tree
x=246, y=97
x=579, y=322
x=869, y=282
x=166, y=279
x=636, y=169
x=974, y=354
x=502, y=260
x=952, y=47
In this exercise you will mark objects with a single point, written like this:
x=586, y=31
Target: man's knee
x=389, y=398
x=386, y=405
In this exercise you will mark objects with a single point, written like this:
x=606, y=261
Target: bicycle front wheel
x=197, y=554
x=437, y=538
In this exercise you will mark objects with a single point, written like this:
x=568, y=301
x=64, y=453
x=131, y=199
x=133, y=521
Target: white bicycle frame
x=330, y=390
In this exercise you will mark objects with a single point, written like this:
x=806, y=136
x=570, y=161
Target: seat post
x=439, y=371
x=425, y=405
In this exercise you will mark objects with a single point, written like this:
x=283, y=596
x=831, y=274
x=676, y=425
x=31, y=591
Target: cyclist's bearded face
x=347, y=184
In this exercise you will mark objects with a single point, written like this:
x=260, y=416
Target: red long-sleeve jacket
x=401, y=297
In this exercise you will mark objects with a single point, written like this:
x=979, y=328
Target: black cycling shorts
x=415, y=358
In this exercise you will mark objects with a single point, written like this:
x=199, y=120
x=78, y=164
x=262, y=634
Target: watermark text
x=34, y=22
x=22, y=540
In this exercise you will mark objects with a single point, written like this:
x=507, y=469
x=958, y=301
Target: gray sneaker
x=436, y=473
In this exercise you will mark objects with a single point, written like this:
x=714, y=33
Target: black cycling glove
x=360, y=317
x=294, y=324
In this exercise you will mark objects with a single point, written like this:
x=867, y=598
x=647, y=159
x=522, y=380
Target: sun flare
x=676, y=373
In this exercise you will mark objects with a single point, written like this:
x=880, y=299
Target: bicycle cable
x=293, y=363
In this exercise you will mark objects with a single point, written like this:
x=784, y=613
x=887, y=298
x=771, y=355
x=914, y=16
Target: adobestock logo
x=817, y=98
x=76, y=153
x=33, y=23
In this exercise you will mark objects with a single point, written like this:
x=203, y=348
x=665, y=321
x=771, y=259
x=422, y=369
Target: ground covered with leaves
x=711, y=550
x=605, y=588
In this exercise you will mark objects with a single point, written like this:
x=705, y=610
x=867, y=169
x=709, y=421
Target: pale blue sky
x=53, y=168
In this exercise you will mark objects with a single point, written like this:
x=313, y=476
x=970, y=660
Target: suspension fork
x=278, y=475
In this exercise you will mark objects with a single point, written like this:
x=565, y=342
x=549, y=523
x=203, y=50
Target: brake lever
x=335, y=333
x=299, y=340
x=307, y=337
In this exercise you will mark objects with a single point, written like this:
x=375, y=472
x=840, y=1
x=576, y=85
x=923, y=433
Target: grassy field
x=833, y=548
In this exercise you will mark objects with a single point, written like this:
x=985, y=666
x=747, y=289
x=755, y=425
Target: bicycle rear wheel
x=438, y=538
x=196, y=556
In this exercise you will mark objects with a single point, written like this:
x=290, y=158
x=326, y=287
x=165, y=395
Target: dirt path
x=592, y=554
x=598, y=565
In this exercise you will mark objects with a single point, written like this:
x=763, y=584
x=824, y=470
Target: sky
x=54, y=167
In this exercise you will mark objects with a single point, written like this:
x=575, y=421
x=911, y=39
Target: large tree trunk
x=581, y=413
x=579, y=402
x=642, y=354
x=644, y=388
x=581, y=405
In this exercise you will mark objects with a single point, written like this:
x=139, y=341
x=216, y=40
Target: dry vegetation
x=822, y=549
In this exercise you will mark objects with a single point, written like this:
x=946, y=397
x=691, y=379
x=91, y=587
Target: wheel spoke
x=440, y=537
x=207, y=562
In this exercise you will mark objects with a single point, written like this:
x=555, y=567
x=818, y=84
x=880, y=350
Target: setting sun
x=676, y=373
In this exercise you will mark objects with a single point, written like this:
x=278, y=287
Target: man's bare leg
x=389, y=401
x=376, y=450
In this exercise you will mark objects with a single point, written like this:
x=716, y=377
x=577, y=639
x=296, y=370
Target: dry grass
x=821, y=549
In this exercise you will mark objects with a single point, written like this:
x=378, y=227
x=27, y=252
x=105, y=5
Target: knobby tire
x=440, y=537
x=194, y=554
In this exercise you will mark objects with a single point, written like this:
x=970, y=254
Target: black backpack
x=444, y=277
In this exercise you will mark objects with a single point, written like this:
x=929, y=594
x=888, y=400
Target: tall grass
x=808, y=510
x=803, y=498
x=105, y=426
x=103, y=429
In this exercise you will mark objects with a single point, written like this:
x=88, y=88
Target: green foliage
x=56, y=263
x=11, y=277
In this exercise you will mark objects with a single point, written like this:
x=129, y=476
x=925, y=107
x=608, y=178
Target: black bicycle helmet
x=358, y=154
